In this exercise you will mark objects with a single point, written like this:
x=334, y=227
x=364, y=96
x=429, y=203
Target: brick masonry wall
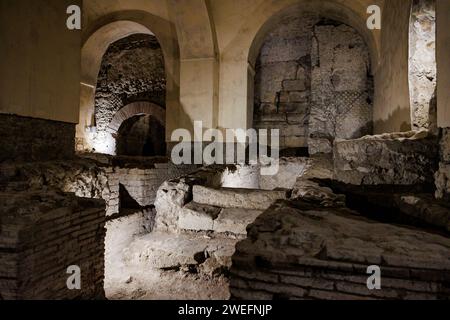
x=41, y=235
x=312, y=79
x=101, y=177
x=91, y=179
x=299, y=250
x=392, y=159
x=29, y=139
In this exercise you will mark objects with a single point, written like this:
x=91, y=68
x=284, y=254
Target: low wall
x=43, y=233
x=325, y=252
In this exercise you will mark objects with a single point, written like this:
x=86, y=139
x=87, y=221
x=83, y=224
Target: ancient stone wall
x=132, y=70
x=422, y=64
x=29, y=139
x=312, y=78
x=42, y=234
x=325, y=252
x=341, y=88
x=393, y=159
x=90, y=178
x=442, y=176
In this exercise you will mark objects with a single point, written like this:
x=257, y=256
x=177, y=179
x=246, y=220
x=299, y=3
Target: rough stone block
x=237, y=198
x=235, y=220
x=294, y=85
x=398, y=159
x=197, y=217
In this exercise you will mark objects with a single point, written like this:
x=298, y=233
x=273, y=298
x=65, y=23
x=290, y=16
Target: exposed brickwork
x=91, y=179
x=136, y=108
x=422, y=64
x=312, y=82
x=132, y=70
x=41, y=235
x=29, y=139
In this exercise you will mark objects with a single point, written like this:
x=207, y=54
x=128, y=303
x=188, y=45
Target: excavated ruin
x=91, y=120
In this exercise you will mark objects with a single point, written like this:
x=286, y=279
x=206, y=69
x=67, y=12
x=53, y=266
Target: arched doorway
x=98, y=38
x=139, y=130
x=422, y=64
x=132, y=73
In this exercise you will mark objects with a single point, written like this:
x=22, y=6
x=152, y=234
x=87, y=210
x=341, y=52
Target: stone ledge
x=319, y=246
x=237, y=198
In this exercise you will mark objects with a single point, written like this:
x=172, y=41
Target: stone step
x=160, y=250
x=200, y=217
x=235, y=220
x=238, y=198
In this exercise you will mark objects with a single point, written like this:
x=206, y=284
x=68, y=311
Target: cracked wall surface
x=312, y=82
x=132, y=70
x=29, y=139
x=422, y=64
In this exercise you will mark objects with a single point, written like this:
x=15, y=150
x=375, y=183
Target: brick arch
x=134, y=109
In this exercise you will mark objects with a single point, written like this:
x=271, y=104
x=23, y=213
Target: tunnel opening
x=141, y=135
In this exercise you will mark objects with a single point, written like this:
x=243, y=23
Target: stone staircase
x=194, y=254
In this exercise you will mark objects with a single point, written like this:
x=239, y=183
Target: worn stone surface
x=307, y=186
x=341, y=101
x=289, y=170
x=235, y=220
x=301, y=250
x=101, y=180
x=422, y=64
x=120, y=232
x=43, y=233
x=442, y=175
x=132, y=69
x=424, y=208
x=398, y=159
x=311, y=77
x=237, y=198
x=27, y=139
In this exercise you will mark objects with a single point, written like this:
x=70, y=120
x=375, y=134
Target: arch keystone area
x=135, y=109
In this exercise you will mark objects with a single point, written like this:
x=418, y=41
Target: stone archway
x=135, y=109
x=96, y=40
x=139, y=130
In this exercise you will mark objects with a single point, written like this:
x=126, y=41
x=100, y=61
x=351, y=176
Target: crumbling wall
x=132, y=70
x=442, y=176
x=42, y=234
x=92, y=179
x=394, y=159
x=312, y=82
x=325, y=252
x=283, y=81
